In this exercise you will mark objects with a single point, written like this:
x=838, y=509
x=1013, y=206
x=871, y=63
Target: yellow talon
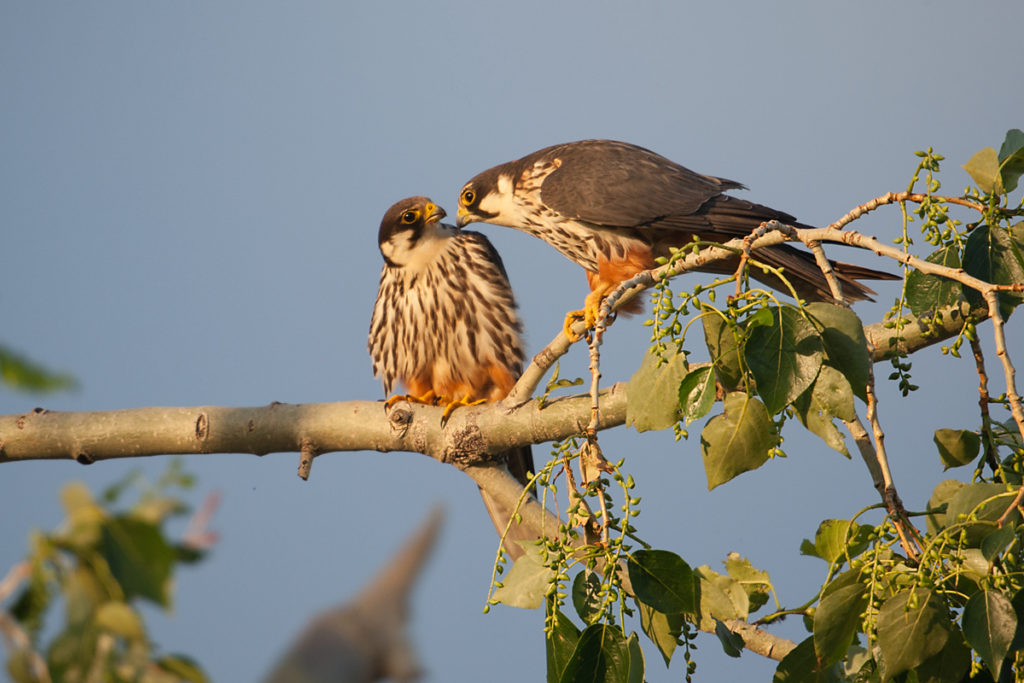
x=570, y=319
x=429, y=399
x=588, y=314
x=464, y=401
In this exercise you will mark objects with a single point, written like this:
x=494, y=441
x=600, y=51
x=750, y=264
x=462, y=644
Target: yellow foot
x=464, y=401
x=588, y=315
x=429, y=398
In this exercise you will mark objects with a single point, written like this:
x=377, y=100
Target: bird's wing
x=617, y=184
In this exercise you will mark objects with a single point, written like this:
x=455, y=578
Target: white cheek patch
x=501, y=203
x=397, y=248
x=415, y=256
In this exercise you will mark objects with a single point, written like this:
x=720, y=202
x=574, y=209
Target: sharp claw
x=428, y=399
x=588, y=315
x=570, y=319
x=464, y=401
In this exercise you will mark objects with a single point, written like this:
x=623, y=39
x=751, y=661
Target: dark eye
x=468, y=197
x=410, y=217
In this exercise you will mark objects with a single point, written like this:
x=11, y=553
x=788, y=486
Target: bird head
x=410, y=231
x=488, y=197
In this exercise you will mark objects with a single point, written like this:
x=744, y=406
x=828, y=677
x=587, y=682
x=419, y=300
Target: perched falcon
x=445, y=323
x=613, y=207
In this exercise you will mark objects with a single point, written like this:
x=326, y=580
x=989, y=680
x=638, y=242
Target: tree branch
x=474, y=435
x=471, y=437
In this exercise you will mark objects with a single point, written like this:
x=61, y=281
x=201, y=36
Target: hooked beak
x=434, y=213
x=464, y=217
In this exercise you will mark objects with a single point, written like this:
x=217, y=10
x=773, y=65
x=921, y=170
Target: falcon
x=445, y=324
x=613, y=208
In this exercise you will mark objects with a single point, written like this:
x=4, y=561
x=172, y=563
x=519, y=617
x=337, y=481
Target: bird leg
x=588, y=314
x=464, y=401
x=428, y=399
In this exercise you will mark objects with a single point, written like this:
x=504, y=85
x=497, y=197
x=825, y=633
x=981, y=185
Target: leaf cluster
x=947, y=613
x=100, y=565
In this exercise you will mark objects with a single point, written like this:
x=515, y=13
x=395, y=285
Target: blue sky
x=189, y=201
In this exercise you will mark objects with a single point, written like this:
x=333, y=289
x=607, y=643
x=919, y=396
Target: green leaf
x=996, y=255
x=601, y=655
x=20, y=665
x=957, y=447
x=653, y=393
x=737, y=441
x=697, y=393
x=846, y=347
x=911, y=628
x=526, y=583
x=559, y=644
x=1018, y=606
x=984, y=502
x=121, y=619
x=941, y=495
x=756, y=583
x=990, y=622
x=837, y=620
x=84, y=515
x=721, y=597
x=932, y=292
x=950, y=665
x=585, y=598
x=830, y=396
x=662, y=580
x=800, y=665
x=185, y=668
x=846, y=578
x=984, y=170
x=18, y=372
x=139, y=557
x=732, y=643
x=662, y=629
x=1011, y=159
x=784, y=357
x=835, y=539
x=637, y=665
x=72, y=651
x=995, y=543
x=721, y=339
x=31, y=605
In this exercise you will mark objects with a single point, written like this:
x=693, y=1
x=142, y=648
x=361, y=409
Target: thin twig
x=594, y=345
x=307, y=453
x=826, y=269
x=895, y=197
x=535, y=371
x=1011, y=508
x=197, y=533
x=15, y=575
x=992, y=298
x=584, y=515
x=889, y=496
x=983, y=401
x=867, y=453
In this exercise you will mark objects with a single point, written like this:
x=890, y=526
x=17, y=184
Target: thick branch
x=472, y=434
x=352, y=425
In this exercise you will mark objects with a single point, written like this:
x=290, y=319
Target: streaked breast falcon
x=613, y=207
x=445, y=324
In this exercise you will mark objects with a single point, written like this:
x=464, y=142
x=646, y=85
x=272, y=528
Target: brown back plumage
x=603, y=202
